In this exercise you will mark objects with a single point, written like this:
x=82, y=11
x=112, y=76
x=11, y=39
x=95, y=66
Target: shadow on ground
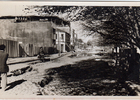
x=13, y=84
x=88, y=77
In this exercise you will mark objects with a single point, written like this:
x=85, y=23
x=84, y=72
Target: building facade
x=32, y=32
x=63, y=40
x=73, y=39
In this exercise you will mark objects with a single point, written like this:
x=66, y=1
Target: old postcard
x=70, y=50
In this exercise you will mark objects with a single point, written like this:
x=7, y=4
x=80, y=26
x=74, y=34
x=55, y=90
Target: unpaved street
x=27, y=83
x=68, y=76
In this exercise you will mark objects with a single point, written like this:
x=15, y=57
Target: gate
x=11, y=47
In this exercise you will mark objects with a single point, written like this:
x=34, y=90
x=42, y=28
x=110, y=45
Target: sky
x=15, y=7
x=11, y=9
x=80, y=32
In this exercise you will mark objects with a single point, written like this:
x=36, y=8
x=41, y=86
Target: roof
x=35, y=18
x=62, y=30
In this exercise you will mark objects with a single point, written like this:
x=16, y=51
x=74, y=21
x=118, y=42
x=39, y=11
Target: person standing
x=3, y=67
x=41, y=54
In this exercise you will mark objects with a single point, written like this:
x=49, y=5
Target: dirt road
x=27, y=83
x=67, y=76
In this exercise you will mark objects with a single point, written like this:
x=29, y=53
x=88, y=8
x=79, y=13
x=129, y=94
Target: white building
x=62, y=40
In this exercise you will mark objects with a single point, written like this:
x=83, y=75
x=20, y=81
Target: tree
x=66, y=12
x=120, y=27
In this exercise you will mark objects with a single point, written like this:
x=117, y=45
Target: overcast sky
x=16, y=8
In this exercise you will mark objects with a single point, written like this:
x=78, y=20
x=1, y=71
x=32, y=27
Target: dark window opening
x=62, y=36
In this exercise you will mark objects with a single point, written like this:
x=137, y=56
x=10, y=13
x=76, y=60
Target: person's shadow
x=15, y=83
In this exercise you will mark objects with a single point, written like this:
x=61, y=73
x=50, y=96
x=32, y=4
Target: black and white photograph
x=69, y=49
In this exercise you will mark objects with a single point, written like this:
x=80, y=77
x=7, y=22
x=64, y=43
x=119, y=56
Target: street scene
x=70, y=51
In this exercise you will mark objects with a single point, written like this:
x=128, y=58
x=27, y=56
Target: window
x=56, y=36
x=53, y=31
x=62, y=36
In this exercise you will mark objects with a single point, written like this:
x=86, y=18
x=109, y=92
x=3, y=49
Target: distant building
x=63, y=40
x=73, y=39
x=32, y=32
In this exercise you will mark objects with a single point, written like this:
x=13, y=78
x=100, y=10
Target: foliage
x=67, y=12
x=121, y=27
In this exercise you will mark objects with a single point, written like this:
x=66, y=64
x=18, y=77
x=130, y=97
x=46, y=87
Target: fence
x=11, y=47
x=14, y=49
